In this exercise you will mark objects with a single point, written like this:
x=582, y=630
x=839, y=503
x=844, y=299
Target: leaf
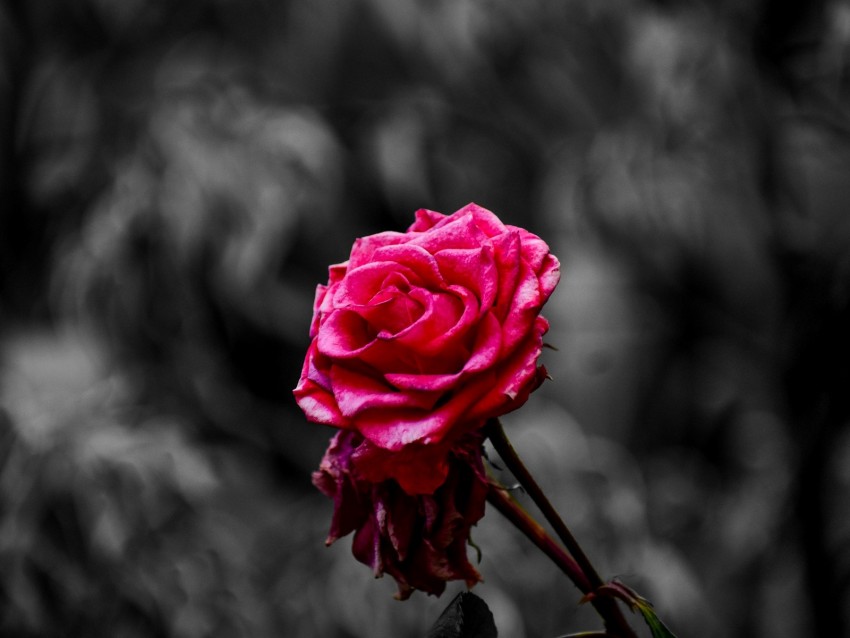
x=467, y=616
x=635, y=601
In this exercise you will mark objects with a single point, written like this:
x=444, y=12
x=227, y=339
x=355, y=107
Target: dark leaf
x=467, y=616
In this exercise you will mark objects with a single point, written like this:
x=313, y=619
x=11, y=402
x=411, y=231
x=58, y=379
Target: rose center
x=392, y=308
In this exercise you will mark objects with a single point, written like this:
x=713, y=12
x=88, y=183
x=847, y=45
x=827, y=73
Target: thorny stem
x=577, y=566
x=510, y=457
x=513, y=511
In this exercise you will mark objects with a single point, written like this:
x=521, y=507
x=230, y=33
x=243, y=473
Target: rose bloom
x=420, y=337
x=419, y=540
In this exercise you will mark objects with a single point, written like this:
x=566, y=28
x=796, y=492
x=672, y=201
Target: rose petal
x=524, y=308
x=516, y=379
x=319, y=406
x=335, y=480
x=508, y=260
x=534, y=249
x=415, y=258
x=440, y=314
x=408, y=426
x=488, y=345
x=314, y=396
x=484, y=219
x=401, y=524
x=366, y=546
x=452, y=232
x=363, y=250
x=549, y=275
x=392, y=311
x=485, y=353
x=336, y=273
x=427, y=427
x=425, y=220
x=361, y=284
x=418, y=469
x=439, y=340
x=473, y=269
x=321, y=291
x=356, y=392
x=344, y=334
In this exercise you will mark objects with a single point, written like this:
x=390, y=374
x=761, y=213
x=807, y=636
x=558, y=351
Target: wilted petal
x=334, y=480
x=419, y=539
x=418, y=469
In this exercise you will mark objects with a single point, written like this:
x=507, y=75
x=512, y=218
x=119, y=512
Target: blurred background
x=175, y=179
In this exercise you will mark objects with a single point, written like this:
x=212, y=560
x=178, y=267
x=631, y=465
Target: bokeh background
x=175, y=179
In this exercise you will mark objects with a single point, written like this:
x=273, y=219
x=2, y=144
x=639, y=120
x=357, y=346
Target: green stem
x=590, y=580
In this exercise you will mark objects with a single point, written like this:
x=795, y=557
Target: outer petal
x=508, y=258
x=424, y=427
x=319, y=406
x=363, y=250
x=356, y=392
x=314, y=395
x=524, y=309
x=321, y=291
x=425, y=220
x=549, y=276
x=534, y=249
x=451, y=232
x=483, y=219
x=516, y=379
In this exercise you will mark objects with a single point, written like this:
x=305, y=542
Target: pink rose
x=420, y=337
x=421, y=541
